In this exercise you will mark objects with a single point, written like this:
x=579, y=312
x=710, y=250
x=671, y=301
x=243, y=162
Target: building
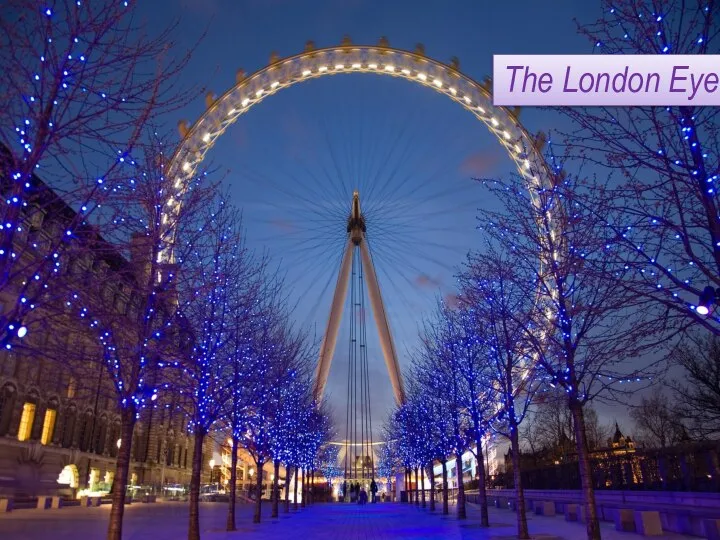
x=59, y=420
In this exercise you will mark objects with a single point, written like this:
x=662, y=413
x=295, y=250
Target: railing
x=690, y=467
x=680, y=512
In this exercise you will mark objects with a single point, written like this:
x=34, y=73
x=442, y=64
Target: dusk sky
x=293, y=161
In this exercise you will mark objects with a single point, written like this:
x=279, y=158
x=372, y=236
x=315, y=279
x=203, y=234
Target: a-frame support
x=357, y=238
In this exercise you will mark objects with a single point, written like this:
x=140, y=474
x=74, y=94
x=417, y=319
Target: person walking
x=373, y=491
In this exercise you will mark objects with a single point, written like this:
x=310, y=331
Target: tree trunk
x=519, y=493
x=422, y=486
x=194, y=525
x=258, y=494
x=482, y=488
x=288, y=475
x=586, y=481
x=445, y=488
x=295, y=501
x=276, y=490
x=417, y=487
x=303, y=487
x=407, y=486
x=431, y=477
x=233, y=487
x=122, y=471
x=461, y=511
x=311, y=487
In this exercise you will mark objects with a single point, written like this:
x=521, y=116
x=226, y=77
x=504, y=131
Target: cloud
x=425, y=281
x=480, y=163
x=283, y=225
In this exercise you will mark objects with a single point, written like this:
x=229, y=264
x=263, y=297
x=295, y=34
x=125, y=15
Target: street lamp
x=119, y=443
x=212, y=468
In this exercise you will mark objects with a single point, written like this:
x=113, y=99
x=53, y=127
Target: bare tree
x=663, y=221
x=136, y=338
x=217, y=262
x=596, y=432
x=252, y=300
x=588, y=333
x=81, y=84
x=477, y=398
x=698, y=396
x=657, y=424
x=441, y=356
x=550, y=424
x=421, y=431
x=503, y=314
x=282, y=359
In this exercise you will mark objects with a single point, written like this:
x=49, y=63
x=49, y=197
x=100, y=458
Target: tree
x=477, y=398
x=504, y=317
x=217, y=261
x=588, y=334
x=656, y=423
x=327, y=462
x=254, y=299
x=282, y=359
x=139, y=343
x=698, y=396
x=441, y=355
x=82, y=85
x=415, y=432
x=551, y=425
x=663, y=219
x=320, y=432
x=405, y=432
x=597, y=434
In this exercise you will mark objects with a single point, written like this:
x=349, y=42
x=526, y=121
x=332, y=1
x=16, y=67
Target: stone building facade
x=59, y=418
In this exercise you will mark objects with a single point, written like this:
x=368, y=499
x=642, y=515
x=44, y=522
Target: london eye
x=364, y=195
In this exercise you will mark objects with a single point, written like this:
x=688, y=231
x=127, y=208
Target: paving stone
x=382, y=521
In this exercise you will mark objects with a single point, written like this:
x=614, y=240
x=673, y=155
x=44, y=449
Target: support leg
x=381, y=320
x=327, y=349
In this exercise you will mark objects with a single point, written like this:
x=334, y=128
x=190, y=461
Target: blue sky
x=292, y=162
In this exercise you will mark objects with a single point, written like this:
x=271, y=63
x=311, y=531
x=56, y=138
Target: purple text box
x=606, y=80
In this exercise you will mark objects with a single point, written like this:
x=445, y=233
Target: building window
x=26, y=421
x=71, y=387
x=170, y=458
x=87, y=428
x=100, y=436
x=68, y=433
x=114, y=437
x=7, y=402
x=48, y=426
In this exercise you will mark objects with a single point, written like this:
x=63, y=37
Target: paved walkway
x=168, y=521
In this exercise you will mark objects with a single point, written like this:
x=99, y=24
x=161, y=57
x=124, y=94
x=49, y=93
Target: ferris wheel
x=362, y=191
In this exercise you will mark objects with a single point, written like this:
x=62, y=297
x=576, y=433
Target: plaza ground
x=168, y=521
